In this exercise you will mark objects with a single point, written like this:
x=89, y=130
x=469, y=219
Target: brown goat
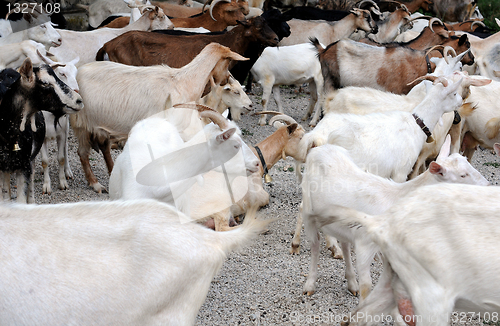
x=349, y=63
x=145, y=49
x=222, y=13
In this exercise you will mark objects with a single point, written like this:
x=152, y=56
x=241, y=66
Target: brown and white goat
x=222, y=13
x=282, y=143
x=349, y=63
x=116, y=96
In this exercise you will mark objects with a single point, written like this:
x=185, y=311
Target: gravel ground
x=262, y=284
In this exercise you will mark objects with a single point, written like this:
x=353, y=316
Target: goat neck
x=272, y=148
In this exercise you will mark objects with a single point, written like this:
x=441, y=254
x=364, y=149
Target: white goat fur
x=199, y=202
x=425, y=239
x=116, y=96
x=332, y=178
x=289, y=65
x=395, y=131
x=101, y=9
x=43, y=33
x=327, y=32
x=231, y=96
x=86, y=44
x=84, y=261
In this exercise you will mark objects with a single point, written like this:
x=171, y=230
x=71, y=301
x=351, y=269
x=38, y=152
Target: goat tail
x=352, y=218
x=100, y=54
x=244, y=234
x=492, y=127
x=315, y=42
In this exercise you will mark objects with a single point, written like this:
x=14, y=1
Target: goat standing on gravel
x=22, y=127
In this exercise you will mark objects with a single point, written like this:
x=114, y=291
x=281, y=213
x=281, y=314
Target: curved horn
x=435, y=47
x=480, y=23
x=216, y=118
x=448, y=49
x=208, y=2
x=199, y=107
x=426, y=77
x=369, y=1
x=433, y=20
x=213, y=5
x=267, y=112
x=282, y=117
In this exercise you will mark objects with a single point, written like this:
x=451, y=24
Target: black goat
x=23, y=95
x=278, y=24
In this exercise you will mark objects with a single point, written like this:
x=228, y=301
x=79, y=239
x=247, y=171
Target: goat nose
x=79, y=101
x=77, y=91
x=59, y=40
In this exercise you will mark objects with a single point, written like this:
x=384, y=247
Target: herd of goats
x=395, y=97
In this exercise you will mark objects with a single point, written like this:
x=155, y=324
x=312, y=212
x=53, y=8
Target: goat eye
x=237, y=93
x=464, y=175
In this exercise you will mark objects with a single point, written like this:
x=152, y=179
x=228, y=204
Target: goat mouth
x=54, y=44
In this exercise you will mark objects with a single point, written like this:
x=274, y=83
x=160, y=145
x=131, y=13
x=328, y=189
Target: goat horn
x=213, y=5
x=216, y=118
x=435, y=47
x=369, y=1
x=426, y=77
x=282, y=117
x=480, y=23
x=448, y=49
x=267, y=112
x=433, y=20
x=208, y=2
x=198, y=107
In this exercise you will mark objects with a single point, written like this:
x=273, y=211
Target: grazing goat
x=349, y=63
x=427, y=240
x=86, y=44
x=222, y=13
x=98, y=255
x=287, y=65
x=332, y=178
x=158, y=137
x=145, y=49
x=22, y=129
x=329, y=32
x=113, y=101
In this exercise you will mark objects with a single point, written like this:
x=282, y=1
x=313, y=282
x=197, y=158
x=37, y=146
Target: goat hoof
x=354, y=292
x=99, y=188
x=336, y=254
x=295, y=250
x=344, y=323
x=46, y=190
x=309, y=293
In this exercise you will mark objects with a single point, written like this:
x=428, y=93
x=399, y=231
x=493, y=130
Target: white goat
x=101, y=9
x=13, y=55
x=86, y=44
x=98, y=255
x=484, y=122
x=435, y=243
x=332, y=178
x=288, y=65
x=116, y=96
x=231, y=96
x=402, y=139
x=153, y=138
x=329, y=32
x=43, y=33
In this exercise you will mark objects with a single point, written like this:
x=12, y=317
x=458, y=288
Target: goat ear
x=26, y=70
x=291, y=128
x=225, y=135
x=462, y=40
x=436, y=168
x=496, y=147
x=444, y=152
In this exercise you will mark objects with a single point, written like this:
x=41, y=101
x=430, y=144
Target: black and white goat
x=22, y=128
